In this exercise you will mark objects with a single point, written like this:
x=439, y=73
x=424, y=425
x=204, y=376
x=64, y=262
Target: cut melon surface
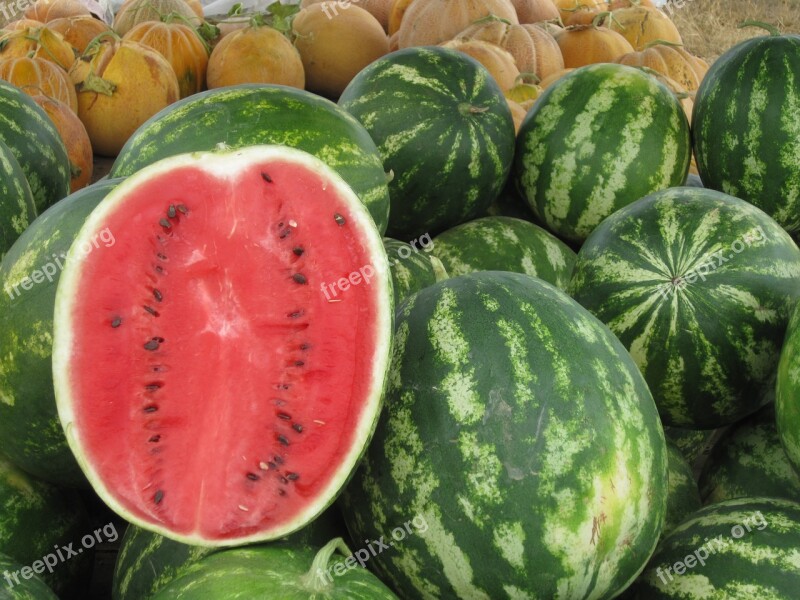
x=222, y=336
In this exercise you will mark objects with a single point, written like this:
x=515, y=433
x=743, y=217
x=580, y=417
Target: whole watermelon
x=519, y=454
x=745, y=125
x=699, y=286
x=598, y=139
x=412, y=269
x=749, y=461
x=443, y=129
x=745, y=548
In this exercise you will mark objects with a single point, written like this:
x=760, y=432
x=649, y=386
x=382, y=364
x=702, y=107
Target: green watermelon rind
x=252, y=114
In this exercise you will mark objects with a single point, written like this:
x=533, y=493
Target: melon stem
x=466, y=109
x=318, y=578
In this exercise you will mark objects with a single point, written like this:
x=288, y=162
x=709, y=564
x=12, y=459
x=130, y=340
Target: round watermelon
x=749, y=461
x=208, y=359
x=443, y=129
x=743, y=548
x=599, y=138
x=745, y=125
x=272, y=572
x=519, y=454
x=246, y=115
x=505, y=244
x=29, y=273
x=699, y=287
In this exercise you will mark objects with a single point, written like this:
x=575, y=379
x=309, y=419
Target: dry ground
x=709, y=27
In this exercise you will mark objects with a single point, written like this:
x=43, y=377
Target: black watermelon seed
x=182, y=208
x=161, y=256
x=283, y=440
x=151, y=408
x=157, y=295
x=284, y=416
x=154, y=439
x=281, y=492
x=171, y=212
x=300, y=278
x=253, y=477
x=164, y=223
x=272, y=465
x=295, y=314
x=285, y=233
x=151, y=345
x=299, y=363
x=292, y=476
x=339, y=219
x=151, y=310
x=158, y=497
x=278, y=459
x=159, y=269
x=298, y=250
x=297, y=427
x=116, y=322
x=265, y=176
x=305, y=346
x=152, y=387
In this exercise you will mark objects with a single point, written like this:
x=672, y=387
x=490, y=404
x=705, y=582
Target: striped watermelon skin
x=749, y=461
x=518, y=428
x=601, y=137
x=683, y=496
x=505, y=244
x=35, y=143
x=451, y=160
x=760, y=563
x=27, y=589
x=246, y=115
x=746, y=129
x=699, y=286
x=37, y=517
x=412, y=269
x=29, y=426
x=694, y=444
x=148, y=561
x=787, y=397
x=271, y=572
x=17, y=208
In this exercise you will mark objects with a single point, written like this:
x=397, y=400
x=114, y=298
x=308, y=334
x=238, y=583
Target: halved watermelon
x=209, y=388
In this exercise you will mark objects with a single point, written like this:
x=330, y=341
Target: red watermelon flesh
x=209, y=386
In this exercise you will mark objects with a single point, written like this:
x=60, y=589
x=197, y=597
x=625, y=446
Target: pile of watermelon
x=391, y=348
